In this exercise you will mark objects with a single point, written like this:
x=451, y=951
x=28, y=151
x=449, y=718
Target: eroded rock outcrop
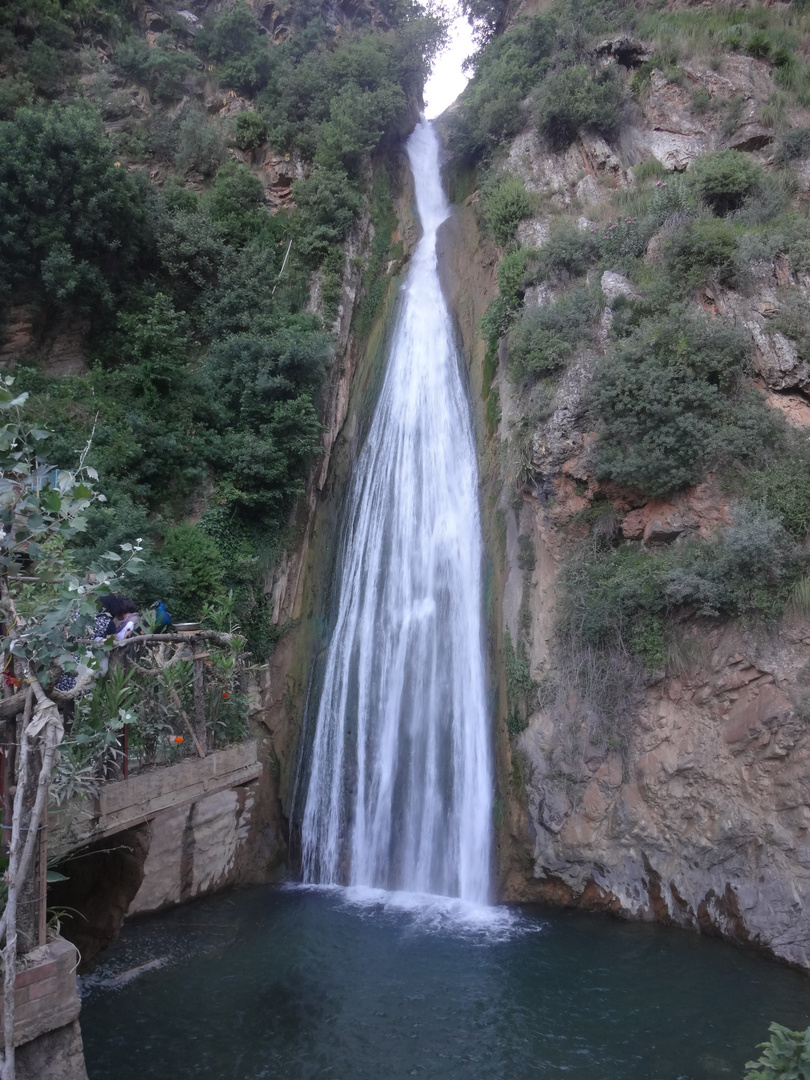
x=701, y=819
x=704, y=823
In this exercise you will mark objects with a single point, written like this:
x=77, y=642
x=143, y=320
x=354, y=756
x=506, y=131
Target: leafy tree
x=236, y=204
x=328, y=201
x=700, y=249
x=164, y=67
x=74, y=222
x=200, y=145
x=233, y=41
x=546, y=337
x=504, y=72
x=251, y=130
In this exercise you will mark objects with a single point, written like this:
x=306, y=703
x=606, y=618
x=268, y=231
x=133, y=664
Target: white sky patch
x=447, y=80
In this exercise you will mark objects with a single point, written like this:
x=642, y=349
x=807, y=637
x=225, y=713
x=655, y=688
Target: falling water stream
x=399, y=791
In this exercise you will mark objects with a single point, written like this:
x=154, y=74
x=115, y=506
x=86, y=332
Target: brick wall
x=45, y=996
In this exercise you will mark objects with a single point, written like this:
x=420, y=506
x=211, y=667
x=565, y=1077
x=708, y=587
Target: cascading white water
x=400, y=784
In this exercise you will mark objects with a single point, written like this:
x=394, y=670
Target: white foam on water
x=427, y=913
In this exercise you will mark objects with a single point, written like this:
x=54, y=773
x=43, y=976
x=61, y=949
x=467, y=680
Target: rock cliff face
x=702, y=820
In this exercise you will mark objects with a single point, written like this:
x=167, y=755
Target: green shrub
x=200, y=145
x=251, y=130
x=725, y=180
x=568, y=253
x=328, y=201
x=375, y=280
x=651, y=169
x=782, y=486
x=504, y=203
x=575, y=98
x=547, y=337
x=164, y=67
x=502, y=310
x=786, y=1056
x=624, y=596
x=793, y=144
x=232, y=41
x=623, y=241
x=511, y=64
x=699, y=250
x=193, y=559
x=236, y=204
x=669, y=404
x=520, y=687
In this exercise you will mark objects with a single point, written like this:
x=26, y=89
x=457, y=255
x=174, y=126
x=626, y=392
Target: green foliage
x=251, y=130
x=725, y=180
x=375, y=280
x=785, y=1056
x=164, y=68
x=575, y=98
x=485, y=16
x=233, y=42
x=193, y=559
x=669, y=404
x=206, y=375
x=568, y=253
x=699, y=249
x=621, y=594
x=502, y=310
x=782, y=485
x=510, y=65
x=236, y=204
x=520, y=687
x=328, y=201
x=74, y=224
x=335, y=99
x=793, y=145
x=41, y=510
x=546, y=337
x=262, y=406
x=200, y=145
x=504, y=203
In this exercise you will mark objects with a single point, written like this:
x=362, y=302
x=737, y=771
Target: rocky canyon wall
x=700, y=819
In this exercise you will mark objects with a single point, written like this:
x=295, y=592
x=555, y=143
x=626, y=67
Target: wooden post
x=43, y=884
x=30, y=892
x=199, y=698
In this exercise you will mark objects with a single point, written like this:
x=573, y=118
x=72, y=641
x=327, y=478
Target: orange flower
x=178, y=739
x=224, y=694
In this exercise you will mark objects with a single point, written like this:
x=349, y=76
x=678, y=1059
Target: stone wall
x=158, y=839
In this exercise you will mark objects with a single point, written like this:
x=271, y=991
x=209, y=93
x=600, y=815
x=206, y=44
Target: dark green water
x=290, y=983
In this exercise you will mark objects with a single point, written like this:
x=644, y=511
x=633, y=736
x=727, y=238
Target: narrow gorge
x=458, y=470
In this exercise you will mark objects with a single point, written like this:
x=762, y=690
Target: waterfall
x=400, y=784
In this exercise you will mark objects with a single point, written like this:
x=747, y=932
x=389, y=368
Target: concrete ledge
x=129, y=802
x=45, y=992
